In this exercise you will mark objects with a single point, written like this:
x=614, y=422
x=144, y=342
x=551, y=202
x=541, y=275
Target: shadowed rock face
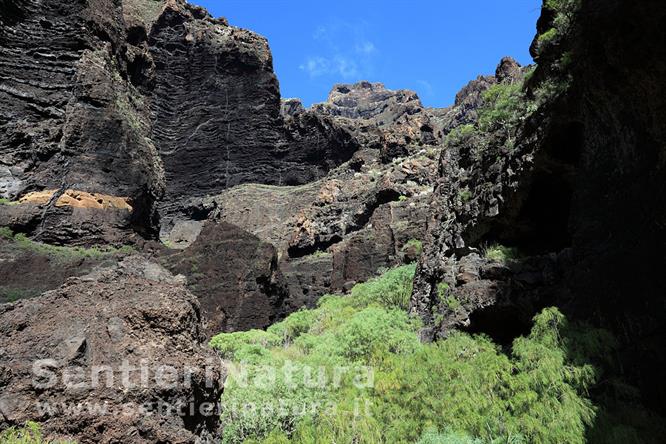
x=235, y=277
x=70, y=119
x=581, y=192
x=137, y=98
x=216, y=107
x=134, y=312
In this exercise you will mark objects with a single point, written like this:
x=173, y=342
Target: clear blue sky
x=431, y=46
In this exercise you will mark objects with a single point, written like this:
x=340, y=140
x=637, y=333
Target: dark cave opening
x=545, y=215
x=502, y=324
x=539, y=222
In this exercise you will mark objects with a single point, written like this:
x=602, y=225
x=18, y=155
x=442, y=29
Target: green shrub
x=565, y=11
x=416, y=244
x=30, y=434
x=229, y=344
x=537, y=393
x=6, y=233
x=546, y=39
x=500, y=253
x=392, y=290
x=460, y=134
x=442, y=290
x=504, y=107
x=321, y=253
x=4, y=201
x=452, y=303
x=295, y=325
x=432, y=436
x=465, y=195
x=375, y=331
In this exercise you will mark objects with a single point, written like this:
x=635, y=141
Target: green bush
x=30, y=434
x=229, y=344
x=416, y=244
x=500, y=253
x=432, y=436
x=504, y=107
x=565, y=11
x=465, y=195
x=465, y=385
x=6, y=233
x=392, y=290
x=4, y=201
x=460, y=134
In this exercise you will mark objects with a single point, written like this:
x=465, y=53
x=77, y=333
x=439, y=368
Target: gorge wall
x=575, y=188
x=151, y=124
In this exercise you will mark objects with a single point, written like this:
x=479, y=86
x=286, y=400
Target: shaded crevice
x=502, y=324
x=362, y=218
x=296, y=252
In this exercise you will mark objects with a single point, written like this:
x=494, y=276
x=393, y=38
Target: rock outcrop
x=72, y=118
x=234, y=275
x=150, y=101
x=571, y=185
x=88, y=360
x=395, y=122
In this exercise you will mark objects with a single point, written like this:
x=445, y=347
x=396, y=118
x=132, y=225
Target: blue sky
x=433, y=47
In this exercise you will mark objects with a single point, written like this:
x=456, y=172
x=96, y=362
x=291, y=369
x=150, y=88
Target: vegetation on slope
x=395, y=389
x=21, y=241
x=30, y=434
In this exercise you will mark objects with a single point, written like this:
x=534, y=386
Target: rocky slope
x=98, y=343
x=364, y=215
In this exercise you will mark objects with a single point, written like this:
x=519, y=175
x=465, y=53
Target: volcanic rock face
x=395, y=122
x=235, y=277
x=84, y=337
x=216, y=107
x=340, y=230
x=571, y=189
x=137, y=98
x=70, y=119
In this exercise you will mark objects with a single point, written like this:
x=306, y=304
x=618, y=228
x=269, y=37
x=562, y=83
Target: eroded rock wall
x=579, y=192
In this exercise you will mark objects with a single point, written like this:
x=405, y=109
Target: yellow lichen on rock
x=79, y=199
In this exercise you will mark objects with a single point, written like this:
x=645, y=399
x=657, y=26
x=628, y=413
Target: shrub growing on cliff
x=504, y=107
x=480, y=394
x=565, y=11
x=500, y=253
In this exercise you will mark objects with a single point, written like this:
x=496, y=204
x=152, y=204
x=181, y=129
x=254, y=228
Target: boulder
x=113, y=356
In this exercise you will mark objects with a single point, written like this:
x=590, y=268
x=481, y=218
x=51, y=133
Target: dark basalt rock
x=134, y=313
x=235, y=277
x=69, y=118
x=576, y=181
x=216, y=107
x=140, y=98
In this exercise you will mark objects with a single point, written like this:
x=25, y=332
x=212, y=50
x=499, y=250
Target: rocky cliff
x=151, y=124
x=87, y=359
x=153, y=103
x=558, y=170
